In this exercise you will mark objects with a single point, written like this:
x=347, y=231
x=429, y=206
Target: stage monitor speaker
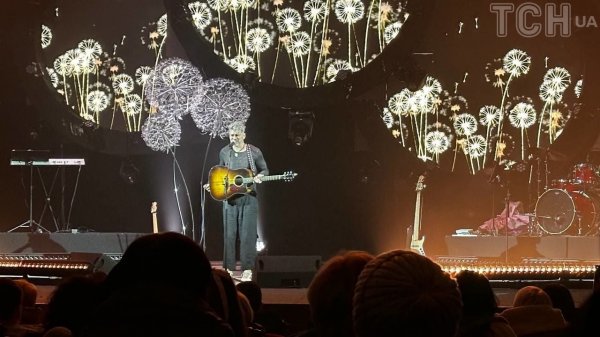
x=286, y=271
x=55, y=266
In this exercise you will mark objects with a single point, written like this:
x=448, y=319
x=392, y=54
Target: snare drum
x=572, y=212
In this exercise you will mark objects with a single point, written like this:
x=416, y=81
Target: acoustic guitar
x=225, y=183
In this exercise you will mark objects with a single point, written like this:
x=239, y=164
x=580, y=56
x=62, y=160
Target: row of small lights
x=574, y=271
x=45, y=265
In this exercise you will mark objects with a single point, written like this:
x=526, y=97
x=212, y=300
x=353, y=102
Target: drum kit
x=571, y=206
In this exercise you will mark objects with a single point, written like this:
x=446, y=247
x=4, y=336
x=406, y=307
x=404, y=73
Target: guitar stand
x=30, y=223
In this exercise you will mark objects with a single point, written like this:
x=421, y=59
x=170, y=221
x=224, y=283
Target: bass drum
x=571, y=212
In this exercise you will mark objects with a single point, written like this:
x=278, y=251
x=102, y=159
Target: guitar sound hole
x=239, y=180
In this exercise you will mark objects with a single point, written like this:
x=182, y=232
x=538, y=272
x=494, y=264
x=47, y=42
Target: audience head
x=401, y=293
x=252, y=292
x=476, y=293
x=246, y=309
x=165, y=260
x=585, y=322
x=29, y=291
x=10, y=302
x=531, y=295
x=223, y=299
x=72, y=303
x=331, y=291
x=561, y=299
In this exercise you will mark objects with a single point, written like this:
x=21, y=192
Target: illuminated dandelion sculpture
x=522, y=116
x=255, y=26
x=388, y=118
x=489, y=116
x=161, y=132
x=556, y=81
x=46, y=38
x=476, y=148
x=437, y=142
x=465, y=125
x=201, y=14
x=171, y=86
x=349, y=12
x=222, y=103
x=516, y=63
x=578, y=88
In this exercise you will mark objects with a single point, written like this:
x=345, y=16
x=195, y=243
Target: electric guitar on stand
x=416, y=243
x=153, y=210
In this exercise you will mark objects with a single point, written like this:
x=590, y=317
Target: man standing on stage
x=240, y=212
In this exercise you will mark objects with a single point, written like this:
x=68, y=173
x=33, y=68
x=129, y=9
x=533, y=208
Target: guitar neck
x=417, y=223
x=265, y=178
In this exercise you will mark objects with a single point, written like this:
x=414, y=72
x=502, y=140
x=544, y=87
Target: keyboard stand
x=31, y=224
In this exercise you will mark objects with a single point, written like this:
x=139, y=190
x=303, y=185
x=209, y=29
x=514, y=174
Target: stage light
x=129, y=172
x=300, y=127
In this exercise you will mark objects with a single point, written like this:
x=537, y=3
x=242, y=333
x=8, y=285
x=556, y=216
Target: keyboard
x=51, y=162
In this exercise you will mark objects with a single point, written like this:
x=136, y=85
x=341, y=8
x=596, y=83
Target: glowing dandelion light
x=489, y=115
x=142, y=74
x=241, y=63
x=465, y=124
x=132, y=104
x=476, y=146
x=97, y=101
x=299, y=44
x=161, y=132
x=172, y=84
x=516, y=62
x=223, y=103
x=288, y=20
x=258, y=40
x=388, y=118
x=522, y=116
x=201, y=14
x=549, y=93
x=392, y=31
x=122, y=84
x=437, y=142
x=578, y=88
x=315, y=10
x=349, y=11
x=335, y=67
x=558, y=78
x=162, y=25
x=90, y=47
x=46, y=38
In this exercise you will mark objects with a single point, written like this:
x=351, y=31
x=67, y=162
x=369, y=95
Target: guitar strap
x=252, y=164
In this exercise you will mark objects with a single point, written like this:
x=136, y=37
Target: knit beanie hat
x=401, y=293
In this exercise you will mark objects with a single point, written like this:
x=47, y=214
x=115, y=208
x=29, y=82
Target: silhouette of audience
x=10, y=311
x=72, y=304
x=561, y=299
x=330, y=294
x=31, y=314
x=223, y=299
x=532, y=314
x=401, y=293
x=267, y=321
x=159, y=288
x=480, y=318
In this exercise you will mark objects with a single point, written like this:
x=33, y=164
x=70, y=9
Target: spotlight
x=129, y=172
x=300, y=126
x=260, y=245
